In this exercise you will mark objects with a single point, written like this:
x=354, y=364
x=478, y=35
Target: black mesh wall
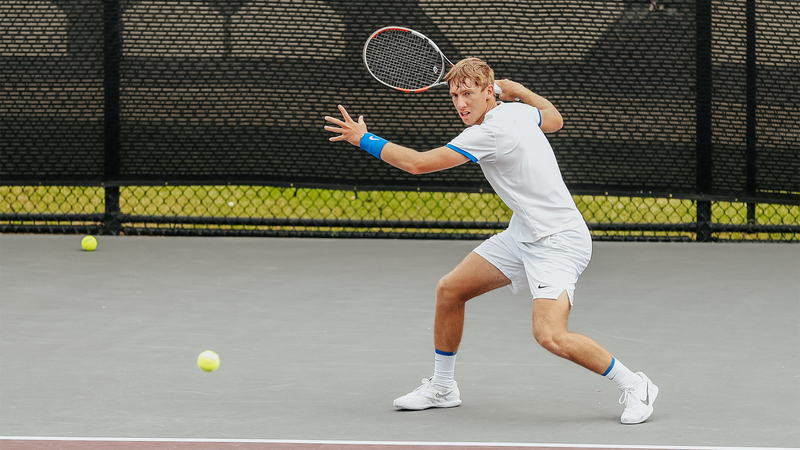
x=52, y=102
x=691, y=98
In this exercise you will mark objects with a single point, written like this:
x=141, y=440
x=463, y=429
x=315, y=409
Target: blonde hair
x=472, y=69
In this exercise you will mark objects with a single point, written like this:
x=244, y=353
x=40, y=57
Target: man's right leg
x=472, y=277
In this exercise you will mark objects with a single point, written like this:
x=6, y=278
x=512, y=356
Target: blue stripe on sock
x=439, y=352
x=613, y=360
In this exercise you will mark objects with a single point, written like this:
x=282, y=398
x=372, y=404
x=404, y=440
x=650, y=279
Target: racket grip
x=498, y=90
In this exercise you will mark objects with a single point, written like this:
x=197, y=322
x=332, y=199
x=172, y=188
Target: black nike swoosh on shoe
x=646, y=401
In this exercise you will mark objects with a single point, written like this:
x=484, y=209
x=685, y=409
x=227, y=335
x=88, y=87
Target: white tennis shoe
x=429, y=396
x=638, y=401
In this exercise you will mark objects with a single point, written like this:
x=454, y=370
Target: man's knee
x=448, y=292
x=551, y=339
x=550, y=324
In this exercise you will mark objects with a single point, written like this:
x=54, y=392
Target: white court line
x=409, y=443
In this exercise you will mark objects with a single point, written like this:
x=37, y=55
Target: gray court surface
x=317, y=337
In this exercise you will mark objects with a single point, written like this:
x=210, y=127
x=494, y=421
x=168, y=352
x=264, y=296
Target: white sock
x=444, y=369
x=620, y=374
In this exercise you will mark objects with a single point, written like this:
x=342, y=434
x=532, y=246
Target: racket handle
x=498, y=90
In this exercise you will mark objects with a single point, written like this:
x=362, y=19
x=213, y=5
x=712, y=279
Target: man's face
x=471, y=102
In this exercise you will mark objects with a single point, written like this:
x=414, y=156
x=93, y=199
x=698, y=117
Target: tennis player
x=544, y=250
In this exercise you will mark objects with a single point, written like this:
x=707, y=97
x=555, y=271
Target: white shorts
x=547, y=267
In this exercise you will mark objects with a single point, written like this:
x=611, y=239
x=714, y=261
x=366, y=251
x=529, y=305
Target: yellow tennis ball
x=208, y=361
x=89, y=243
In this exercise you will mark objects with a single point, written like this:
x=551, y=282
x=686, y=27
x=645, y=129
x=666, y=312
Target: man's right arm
x=551, y=118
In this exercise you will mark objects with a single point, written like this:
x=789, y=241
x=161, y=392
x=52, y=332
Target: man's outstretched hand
x=348, y=129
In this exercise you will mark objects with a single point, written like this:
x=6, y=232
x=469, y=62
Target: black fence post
x=752, y=104
x=112, y=53
x=703, y=221
x=112, y=211
x=704, y=132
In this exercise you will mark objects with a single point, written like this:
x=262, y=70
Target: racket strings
x=404, y=60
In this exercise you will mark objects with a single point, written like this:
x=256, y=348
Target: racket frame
x=430, y=42
x=445, y=60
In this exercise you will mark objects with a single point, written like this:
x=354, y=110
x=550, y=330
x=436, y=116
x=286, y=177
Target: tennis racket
x=406, y=60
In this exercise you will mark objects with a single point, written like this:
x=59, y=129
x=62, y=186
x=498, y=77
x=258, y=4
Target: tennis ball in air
x=208, y=361
x=89, y=243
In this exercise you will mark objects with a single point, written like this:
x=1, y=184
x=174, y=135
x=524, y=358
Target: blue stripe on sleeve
x=540, y=117
x=471, y=158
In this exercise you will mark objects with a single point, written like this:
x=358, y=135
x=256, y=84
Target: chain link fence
x=184, y=117
x=290, y=211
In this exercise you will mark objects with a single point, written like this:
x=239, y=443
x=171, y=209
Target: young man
x=545, y=248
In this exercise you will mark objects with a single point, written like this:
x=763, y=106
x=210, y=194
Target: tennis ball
x=208, y=361
x=89, y=243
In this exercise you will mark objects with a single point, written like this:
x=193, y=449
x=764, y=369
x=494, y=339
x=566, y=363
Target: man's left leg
x=550, y=330
x=550, y=319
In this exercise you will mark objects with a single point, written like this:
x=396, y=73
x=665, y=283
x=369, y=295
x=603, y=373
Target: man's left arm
x=404, y=158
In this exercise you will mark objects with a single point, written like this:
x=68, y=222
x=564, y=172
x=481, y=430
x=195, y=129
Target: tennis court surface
x=317, y=337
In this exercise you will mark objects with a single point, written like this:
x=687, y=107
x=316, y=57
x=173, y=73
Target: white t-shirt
x=519, y=163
